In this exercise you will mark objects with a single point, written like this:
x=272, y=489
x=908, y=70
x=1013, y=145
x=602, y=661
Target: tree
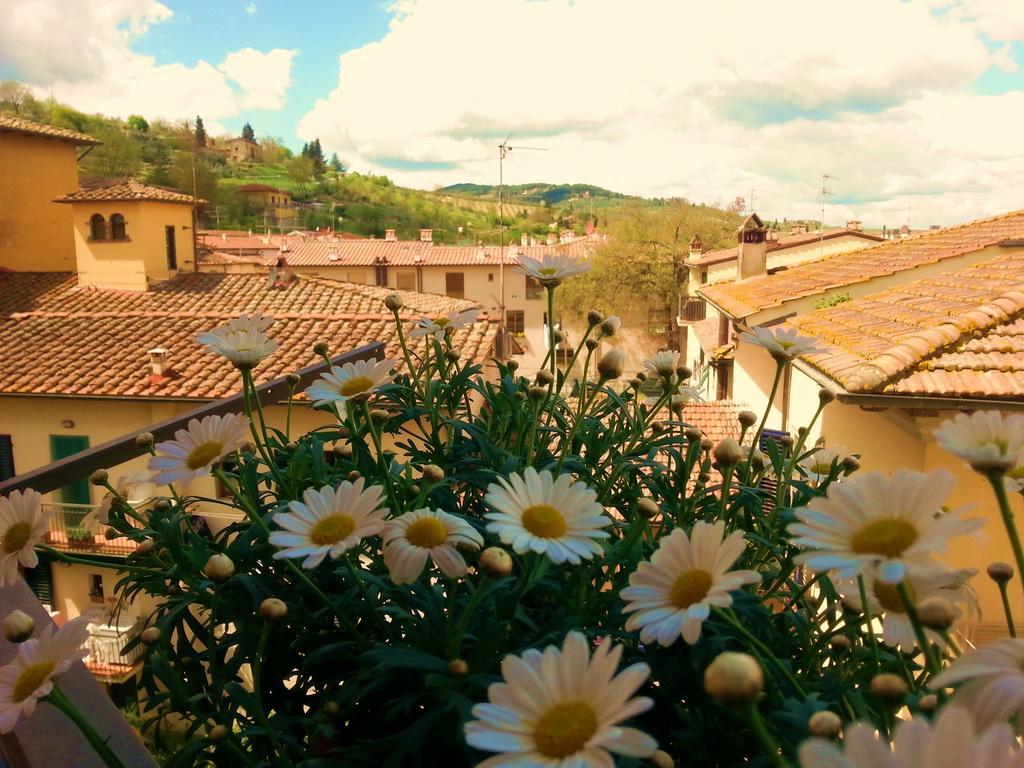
x=336, y=164
x=248, y=133
x=138, y=123
x=191, y=174
x=118, y=155
x=14, y=96
x=299, y=170
x=737, y=206
x=315, y=153
x=274, y=150
x=200, y=132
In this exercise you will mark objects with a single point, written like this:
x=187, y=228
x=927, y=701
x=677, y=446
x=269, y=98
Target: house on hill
x=274, y=202
x=242, y=150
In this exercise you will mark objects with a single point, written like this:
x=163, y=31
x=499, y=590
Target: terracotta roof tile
x=743, y=298
x=19, y=125
x=958, y=334
x=783, y=242
x=129, y=189
x=715, y=418
x=59, y=338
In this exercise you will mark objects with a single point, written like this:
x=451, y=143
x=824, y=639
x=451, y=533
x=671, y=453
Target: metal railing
x=68, y=530
x=692, y=309
x=107, y=660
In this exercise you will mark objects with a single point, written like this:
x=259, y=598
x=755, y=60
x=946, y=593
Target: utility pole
x=825, y=191
x=503, y=149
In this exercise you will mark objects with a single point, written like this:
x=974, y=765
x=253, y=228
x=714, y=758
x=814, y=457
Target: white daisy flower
x=552, y=269
x=783, y=344
x=557, y=518
x=562, y=709
x=881, y=526
x=99, y=517
x=22, y=525
x=897, y=631
x=195, y=450
x=1014, y=477
x=415, y=537
x=949, y=742
x=352, y=381
x=991, y=680
x=29, y=677
x=820, y=464
x=440, y=327
x=987, y=440
x=329, y=521
x=672, y=595
x=243, y=341
x=664, y=363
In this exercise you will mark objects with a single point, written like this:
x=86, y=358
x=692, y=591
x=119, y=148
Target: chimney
x=854, y=225
x=158, y=362
x=752, y=258
x=389, y=234
x=696, y=247
x=426, y=235
x=524, y=240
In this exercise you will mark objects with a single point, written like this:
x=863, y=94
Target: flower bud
x=703, y=477
x=145, y=547
x=344, y=431
x=353, y=475
x=840, y=644
x=757, y=460
x=537, y=393
x=544, y=377
x=432, y=473
x=693, y=434
x=458, y=668
x=219, y=568
x=144, y=439
x=850, y=464
x=415, y=489
x=379, y=416
x=343, y=450
x=293, y=379
x=332, y=708
x=519, y=395
x=635, y=383
x=110, y=534
x=611, y=325
x=273, y=609
x=826, y=395
x=291, y=447
x=18, y=626
x=321, y=348
x=610, y=365
x=161, y=505
x=496, y=562
x=706, y=444
x=248, y=447
x=889, y=687
x=661, y=759
x=217, y=734
x=99, y=477
x=734, y=678
x=936, y=613
x=591, y=344
x=728, y=453
x=825, y=724
x=594, y=317
x=641, y=375
x=658, y=426
x=647, y=507
x=684, y=372
x=512, y=365
x=558, y=336
x=787, y=441
x=746, y=419
x=1000, y=573
x=393, y=302
x=928, y=703
x=150, y=636
x=453, y=354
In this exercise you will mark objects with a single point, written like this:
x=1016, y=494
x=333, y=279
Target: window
x=405, y=280
x=381, y=273
x=117, y=231
x=534, y=290
x=515, y=321
x=455, y=285
x=490, y=277
x=97, y=227
x=172, y=247
x=95, y=588
x=6, y=457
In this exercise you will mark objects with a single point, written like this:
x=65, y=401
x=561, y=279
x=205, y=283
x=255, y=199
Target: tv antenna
x=825, y=191
x=503, y=151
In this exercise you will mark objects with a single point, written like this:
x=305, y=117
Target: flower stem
x=922, y=639
x=1006, y=609
x=866, y=609
x=57, y=698
x=754, y=443
x=761, y=648
x=996, y=479
x=280, y=757
x=551, y=324
x=768, y=744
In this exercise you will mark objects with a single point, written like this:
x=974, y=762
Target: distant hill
x=537, y=193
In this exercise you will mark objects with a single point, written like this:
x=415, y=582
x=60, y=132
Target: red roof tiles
x=27, y=127
x=129, y=189
x=786, y=241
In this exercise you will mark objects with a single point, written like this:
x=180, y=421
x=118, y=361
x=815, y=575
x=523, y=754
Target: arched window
x=117, y=227
x=97, y=227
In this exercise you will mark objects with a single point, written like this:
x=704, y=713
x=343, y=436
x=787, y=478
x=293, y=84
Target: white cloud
x=82, y=52
x=250, y=9
x=704, y=100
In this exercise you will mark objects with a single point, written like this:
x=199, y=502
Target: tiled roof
x=715, y=418
x=783, y=242
x=129, y=189
x=220, y=258
x=18, y=125
x=958, y=334
x=58, y=338
x=744, y=298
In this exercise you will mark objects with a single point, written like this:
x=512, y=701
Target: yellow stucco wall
x=35, y=232
x=132, y=263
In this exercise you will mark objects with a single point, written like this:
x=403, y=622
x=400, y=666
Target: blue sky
x=914, y=105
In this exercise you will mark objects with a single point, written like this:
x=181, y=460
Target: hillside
x=537, y=193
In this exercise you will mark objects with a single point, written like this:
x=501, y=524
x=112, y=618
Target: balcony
x=106, y=660
x=68, y=532
x=692, y=309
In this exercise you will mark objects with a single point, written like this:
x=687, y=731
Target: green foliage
x=118, y=155
x=200, y=132
x=831, y=300
x=248, y=133
x=138, y=123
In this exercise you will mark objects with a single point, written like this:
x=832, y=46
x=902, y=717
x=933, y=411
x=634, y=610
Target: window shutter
x=6, y=457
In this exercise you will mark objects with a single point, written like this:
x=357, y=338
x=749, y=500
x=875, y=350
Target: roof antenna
x=825, y=179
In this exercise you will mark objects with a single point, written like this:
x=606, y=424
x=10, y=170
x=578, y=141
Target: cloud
x=703, y=100
x=250, y=9
x=82, y=52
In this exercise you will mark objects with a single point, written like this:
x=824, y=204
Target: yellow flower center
x=442, y=322
x=565, y=729
x=544, y=521
x=427, y=532
x=332, y=529
x=30, y=679
x=548, y=271
x=356, y=385
x=203, y=454
x=1016, y=473
x=16, y=537
x=888, y=537
x=889, y=598
x=785, y=344
x=821, y=468
x=690, y=587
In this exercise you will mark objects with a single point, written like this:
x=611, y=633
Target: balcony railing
x=69, y=531
x=106, y=660
x=692, y=309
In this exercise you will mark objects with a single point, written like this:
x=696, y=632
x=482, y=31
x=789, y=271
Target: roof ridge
x=922, y=344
